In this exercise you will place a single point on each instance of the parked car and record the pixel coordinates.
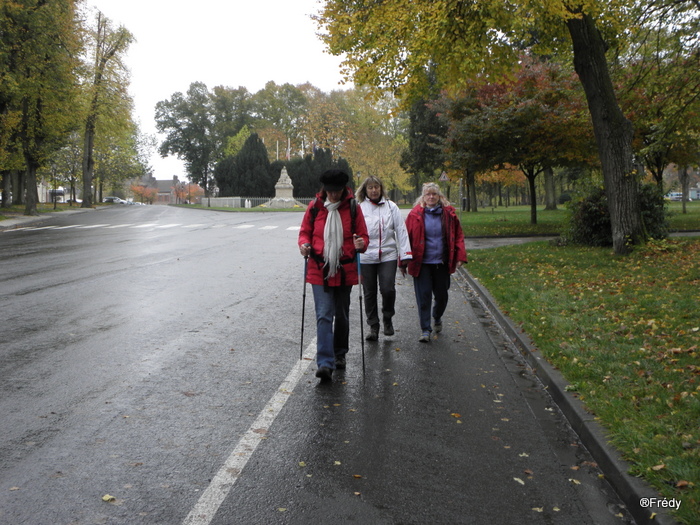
(114, 200)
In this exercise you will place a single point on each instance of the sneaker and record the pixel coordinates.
(388, 328)
(324, 373)
(425, 337)
(340, 363)
(373, 334)
(438, 325)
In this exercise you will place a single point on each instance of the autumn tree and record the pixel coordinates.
(187, 122)
(393, 43)
(40, 43)
(660, 92)
(108, 83)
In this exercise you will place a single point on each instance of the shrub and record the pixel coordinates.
(590, 218)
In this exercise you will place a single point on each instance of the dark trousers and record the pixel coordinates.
(432, 282)
(332, 323)
(385, 274)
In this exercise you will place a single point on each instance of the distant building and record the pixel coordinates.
(166, 191)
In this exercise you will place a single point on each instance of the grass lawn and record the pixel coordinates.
(624, 332)
(514, 221)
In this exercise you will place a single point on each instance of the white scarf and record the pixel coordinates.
(332, 238)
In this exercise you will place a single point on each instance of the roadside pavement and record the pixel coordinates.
(631, 490)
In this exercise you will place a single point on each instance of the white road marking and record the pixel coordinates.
(134, 226)
(211, 499)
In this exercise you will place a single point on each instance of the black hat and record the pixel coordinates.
(334, 180)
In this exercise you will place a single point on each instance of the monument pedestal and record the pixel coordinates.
(284, 191)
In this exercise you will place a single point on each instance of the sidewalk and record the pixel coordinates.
(19, 221)
(630, 489)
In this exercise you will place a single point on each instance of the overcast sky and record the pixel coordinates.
(221, 43)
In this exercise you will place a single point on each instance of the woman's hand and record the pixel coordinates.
(305, 249)
(359, 242)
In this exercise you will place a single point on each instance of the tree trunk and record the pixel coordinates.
(6, 189)
(613, 133)
(88, 159)
(32, 193)
(533, 196)
(684, 179)
(550, 193)
(471, 184)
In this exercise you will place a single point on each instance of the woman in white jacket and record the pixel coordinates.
(388, 244)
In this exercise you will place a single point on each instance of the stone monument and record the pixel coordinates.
(284, 191)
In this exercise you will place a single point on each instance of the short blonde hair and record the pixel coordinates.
(431, 186)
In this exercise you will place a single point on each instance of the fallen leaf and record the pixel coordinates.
(682, 484)
(658, 467)
(108, 498)
(455, 414)
(336, 463)
(14, 488)
(302, 464)
(357, 476)
(538, 509)
(574, 481)
(519, 481)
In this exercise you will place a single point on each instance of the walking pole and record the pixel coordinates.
(362, 325)
(303, 308)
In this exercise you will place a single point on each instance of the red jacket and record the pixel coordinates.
(311, 232)
(453, 236)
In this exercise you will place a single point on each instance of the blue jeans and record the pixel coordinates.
(332, 306)
(433, 281)
(385, 274)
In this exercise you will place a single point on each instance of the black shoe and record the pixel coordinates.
(340, 363)
(373, 334)
(324, 373)
(388, 328)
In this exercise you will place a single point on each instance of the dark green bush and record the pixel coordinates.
(590, 218)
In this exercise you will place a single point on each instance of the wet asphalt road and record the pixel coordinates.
(142, 344)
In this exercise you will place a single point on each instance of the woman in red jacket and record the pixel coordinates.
(437, 246)
(332, 232)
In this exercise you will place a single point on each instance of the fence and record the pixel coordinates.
(242, 202)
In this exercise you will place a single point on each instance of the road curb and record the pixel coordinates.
(629, 488)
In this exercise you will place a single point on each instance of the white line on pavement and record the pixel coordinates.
(212, 498)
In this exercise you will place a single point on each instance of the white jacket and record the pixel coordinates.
(388, 239)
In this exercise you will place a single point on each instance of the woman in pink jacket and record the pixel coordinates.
(332, 232)
(437, 245)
